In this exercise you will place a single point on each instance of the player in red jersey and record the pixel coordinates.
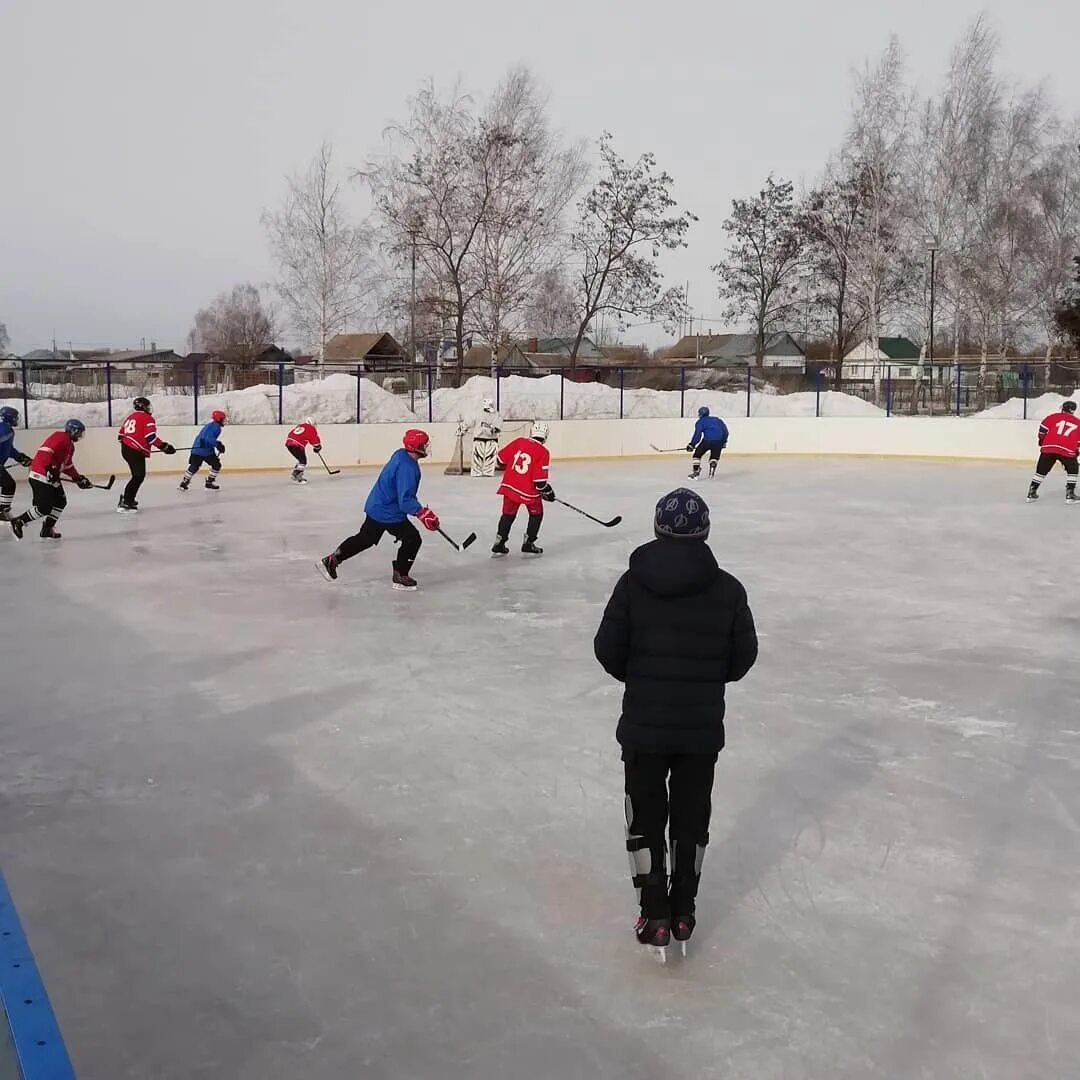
(297, 441)
(524, 465)
(138, 436)
(54, 459)
(1059, 440)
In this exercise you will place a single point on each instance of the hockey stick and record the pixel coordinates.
(332, 472)
(464, 543)
(100, 487)
(607, 524)
(668, 449)
(176, 450)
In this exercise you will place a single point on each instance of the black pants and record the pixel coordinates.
(1046, 463)
(196, 461)
(652, 813)
(48, 501)
(297, 452)
(711, 448)
(7, 487)
(136, 462)
(371, 532)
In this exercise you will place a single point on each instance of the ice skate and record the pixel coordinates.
(124, 507)
(5, 513)
(682, 927)
(17, 527)
(211, 484)
(499, 547)
(1071, 497)
(712, 469)
(1033, 493)
(299, 477)
(403, 582)
(184, 484)
(694, 473)
(656, 934)
(328, 567)
(48, 531)
(530, 548)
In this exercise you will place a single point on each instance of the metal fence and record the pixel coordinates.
(100, 393)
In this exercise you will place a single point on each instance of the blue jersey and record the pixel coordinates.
(393, 498)
(709, 429)
(205, 442)
(7, 442)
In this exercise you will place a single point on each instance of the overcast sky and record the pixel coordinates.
(140, 140)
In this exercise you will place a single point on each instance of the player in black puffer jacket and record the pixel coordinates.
(676, 630)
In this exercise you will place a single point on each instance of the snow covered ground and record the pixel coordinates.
(263, 827)
(1037, 407)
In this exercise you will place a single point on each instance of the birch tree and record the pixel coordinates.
(323, 261)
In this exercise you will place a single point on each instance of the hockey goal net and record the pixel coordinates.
(461, 462)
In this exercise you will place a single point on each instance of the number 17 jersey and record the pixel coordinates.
(1059, 433)
(526, 462)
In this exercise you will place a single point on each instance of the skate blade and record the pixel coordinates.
(322, 570)
(659, 953)
(499, 554)
(403, 588)
(683, 945)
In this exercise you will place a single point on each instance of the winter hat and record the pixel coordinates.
(682, 515)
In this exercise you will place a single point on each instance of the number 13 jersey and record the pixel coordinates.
(526, 462)
(1059, 433)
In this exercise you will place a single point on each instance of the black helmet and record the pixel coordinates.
(1068, 406)
(142, 404)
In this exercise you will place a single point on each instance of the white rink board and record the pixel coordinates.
(262, 447)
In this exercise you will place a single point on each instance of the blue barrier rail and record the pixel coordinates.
(33, 1033)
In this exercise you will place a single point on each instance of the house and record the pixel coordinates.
(512, 358)
(782, 351)
(895, 357)
(372, 352)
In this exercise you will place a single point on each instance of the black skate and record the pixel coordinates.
(530, 548)
(404, 582)
(499, 547)
(693, 474)
(211, 484)
(48, 531)
(712, 471)
(125, 507)
(299, 477)
(184, 484)
(5, 513)
(1071, 497)
(682, 926)
(328, 567)
(654, 933)
(1033, 493)
(17, 527)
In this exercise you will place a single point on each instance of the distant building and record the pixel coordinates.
(374, 351)
(895, 357)
(782, 351)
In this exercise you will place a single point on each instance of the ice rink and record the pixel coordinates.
(262, 827)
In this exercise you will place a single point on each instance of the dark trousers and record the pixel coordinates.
(136, 462)
(49, 501)
(7, 486)
(371, 532)
(711, 448)
(510, 508)
(1046, 463)
(196, 461)
(658, 807)
(297, 452)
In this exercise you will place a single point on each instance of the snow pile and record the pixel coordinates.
(1037, 408)
(332, 400)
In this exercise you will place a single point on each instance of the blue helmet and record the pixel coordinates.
(75, 428)
(9, 415)
(703, 411)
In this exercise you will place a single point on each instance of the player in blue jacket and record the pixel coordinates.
(207, 448)
(710, 436)
(390, 504)
(9, 421)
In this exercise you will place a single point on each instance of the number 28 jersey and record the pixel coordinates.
(1059, 433)
(526, 462)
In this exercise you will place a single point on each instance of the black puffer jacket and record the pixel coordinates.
(676, 629)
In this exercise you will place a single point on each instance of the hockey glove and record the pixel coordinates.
(168, 448)
(689, 448)
(24, 460)
(52, 474)
(219, 447)
(500, 466)
(428, 518)
(317, 448)
(547, 494)
(83, 483)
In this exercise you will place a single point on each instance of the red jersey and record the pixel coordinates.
(139, 431)
(1059, 433)
(55, 457)
(303, 435)
(526, 462)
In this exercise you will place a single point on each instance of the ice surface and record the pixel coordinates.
(261, 827)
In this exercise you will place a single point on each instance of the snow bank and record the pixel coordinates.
(1037, 408)
(332, 400)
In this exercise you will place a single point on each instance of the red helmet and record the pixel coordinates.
(218, 415)
(416, 441)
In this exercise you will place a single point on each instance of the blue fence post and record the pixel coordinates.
(888, 390)
(1025, 378)
(622, 390)
(281, 393)
(682, 393)
(958, 387)
(748, 390)
(359, 383)
(25, 396)
(195, 390)
(562, 391)
(108, 394)
(817, 389)
(430, 403)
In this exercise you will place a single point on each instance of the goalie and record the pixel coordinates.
(486, 440)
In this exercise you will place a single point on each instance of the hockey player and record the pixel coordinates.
(676, 630)
(710, 437)
(1059, 440)
(54, 459)
(486, 440)
(389, 505)
(297, 441)
(207, 449)
(138, 436)
(9, 420)
(524, 463)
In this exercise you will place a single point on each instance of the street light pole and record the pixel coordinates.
(932, 245)
(412, 331)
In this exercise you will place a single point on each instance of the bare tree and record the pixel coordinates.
(624, 224)
(235, 327)
(4, 339)
(1067, 316)
(760, 273)
(551, 309)
(322, 260)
